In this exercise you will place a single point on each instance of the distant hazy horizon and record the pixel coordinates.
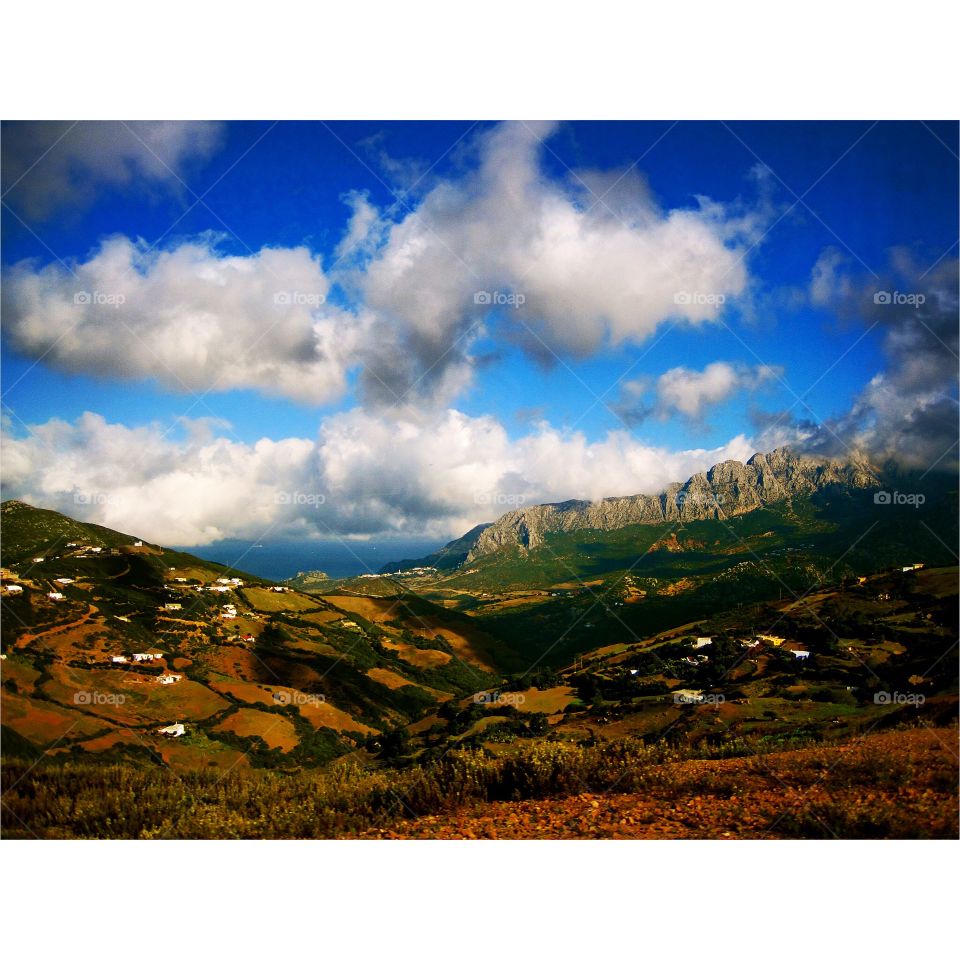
(281, 559)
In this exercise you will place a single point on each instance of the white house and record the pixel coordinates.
(702, 642)
(179, 579)
(173, 606)
(54, 595)
(220, 589)
(749, 644)
(138, 543)
(223, 580)
(119, 659)
(37, 560)
(169, 678)
(174, 730)
(64, 580)
(71, 544)
(249, 638)
(147, 656)
(95, 549)
(801, 654)
(14, 588)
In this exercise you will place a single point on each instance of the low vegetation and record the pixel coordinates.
(900, 783)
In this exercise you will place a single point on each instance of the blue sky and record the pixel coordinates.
(790, 198)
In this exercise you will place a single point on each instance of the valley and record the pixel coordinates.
(809, 622)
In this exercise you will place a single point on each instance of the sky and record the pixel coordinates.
(401, 329)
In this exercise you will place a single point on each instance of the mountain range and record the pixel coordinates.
(726, 490)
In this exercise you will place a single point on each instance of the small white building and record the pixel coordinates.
(64, 580)
(173, 606)
(138, 543)
(119, 659)
(174, 730)
(95, 549)
(55, 595)
(167, 678)
(801, 654)
(749, 644)
(179, 579)
(699, 642)
(14, 588)
(139, 657)
(37, 560)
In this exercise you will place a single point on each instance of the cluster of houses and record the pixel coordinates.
(229, 612)
(148, 657)
(136, 658)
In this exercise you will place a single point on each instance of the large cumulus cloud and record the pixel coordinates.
(582, 262)
(192, 317)
(437, 474)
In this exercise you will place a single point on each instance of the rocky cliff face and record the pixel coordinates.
(725, 490)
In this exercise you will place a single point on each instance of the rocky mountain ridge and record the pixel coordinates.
(727, 489)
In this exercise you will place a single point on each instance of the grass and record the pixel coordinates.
(893, 784)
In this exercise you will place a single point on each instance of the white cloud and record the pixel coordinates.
(192, 317)
(593, 259)
(436, 474)
(48, 165)
(690, 393)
